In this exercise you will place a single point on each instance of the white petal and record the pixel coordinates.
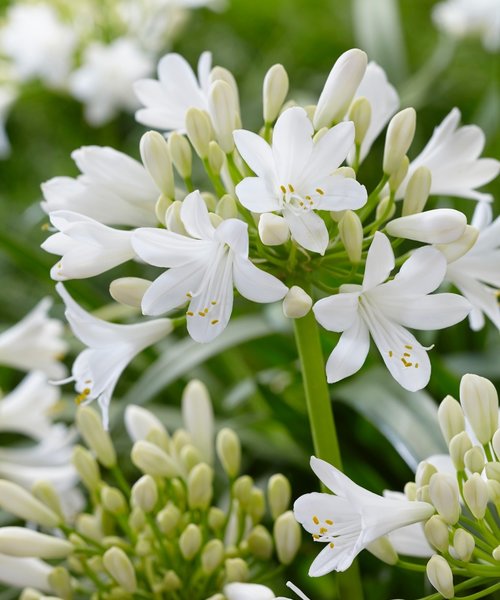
(337, 313)
(350, 353)
(255, 284)
(233, 233)
(379, 262)
(25, 572)
(338, 482)
(340, 193)
(422, 273)
(313, 511)
(411, 541)
(254, 193)
(338, 558)
(438, 226)
(308, 229)
(257, 153)
(247, 591)
(204, 68)
(292, 144)
(163, 248)
(482, 297)
(194, 215)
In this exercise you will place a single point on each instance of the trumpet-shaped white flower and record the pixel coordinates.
(203, 269)
(35, 343)
(86, 247)
(110, 348)
(384, 310)
(7, 96)
(477, 273)
(296, 175)
(176, 91)
(104, 82)
(351, 519)
(452, 156)
(113, 189)
(25, 572)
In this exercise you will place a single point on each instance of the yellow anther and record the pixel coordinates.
(283, 189)
(409, 347)
(416, 365)
(189, 295)
(315, 536)
(390, 353)
(301, 203)
(190, 313)
(407, 354)
(202, 314)
(320, 191)
(214, 322)
(332, 545)
(315, 520)
(291, 188)
(81, 397)
(213, 303)
(308, 197)
(329, 522)
(323, 530)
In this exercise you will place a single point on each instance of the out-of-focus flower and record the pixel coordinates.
(25, 572)
(8, 95)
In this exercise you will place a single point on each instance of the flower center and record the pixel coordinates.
(324, 534)
(298, 203)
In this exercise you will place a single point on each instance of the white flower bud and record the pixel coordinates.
(340, 87)
(496, 553)
(129, 290)
(140, 422)
(87, 467)
(60, 581)
(287, 537)
(19, 502)
(476, 495)
(168, 518)
(494, 491)
(297, 303)
(417, 191)
(171, 581)
(118, 565)
(31, 594)
(198, 417)
(385, 209)
(48, 495)
(397, 178)
(145, 493)
(493, 470)
(223, 74)
(199, 130)
(216, 157)
(156, 158)
(463, 544)
(227, 207)
(360, 114)
(215, 220)
(180, 152)
(161, 208)
(439, 574)
(423, 494)
(496, 443)
(212, 556)
(113, 500)
(425, 471)
(242, 490)
(459, 247)
(200, 487)
(190, 457)
(18, 541)
(89, 425)
(459, 445)
(223, 108)
(443, 490)
(351, 234)
(279, 493)
(398, 139)
(260, 543)
(90, 526)
(410, 490)
(216, 518)
(236, 569)
(153, 461)
(173, 221)
(274, 92)
(383, 550)
(190, 541)
(474, 460)
(451, 418)
(479, 400)
(439, 226)
(256, 505)
(229, 451)
(436, 532)
(273, 229)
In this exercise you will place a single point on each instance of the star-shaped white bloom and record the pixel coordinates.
(86, 247)
(202, 269)
(111, 347)
(176, 91)
(477, 273)
(35, 343)
(383, 309)
(113, 189)
(351, 519)
(452, 156)
(296, 175)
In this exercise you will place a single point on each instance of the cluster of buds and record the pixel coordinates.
(166, 536)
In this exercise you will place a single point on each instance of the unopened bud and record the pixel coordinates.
(474, 460)
(346, 172)
(216, 519)
(459, 247)
(494, 491)
(173, 221)
(47, 494)
(190, 541)
(87, 467)
(398, 139)
(423, 494)
(168, 518)
(229, 451)
(242, 489)
(153, 461)
(451, 418)
(190, 457)
(156, 158)
(476, 495)
(273, 229)
(97, 439)
(458, 446)
(216, 157)
(463, 544)
(397, 178)
(417, 191)
(89, 526)
(139, 422)
(279, 493)
(493, 470)
(260, 543)
(496, 553)
(383, 550)
(236, 569)
(360, 114)
(287, 537)
(436, 532)
(22, 542)
(32, 594)
(226, 207)
(297, 303)
(223, 74)
(145, 493)
(160, 438)
(129, 290)
(171, 581)
(199, 130)
(256, 505)
(113, 500)
(19, 502)
(180, 152)
(479, 400)
(439, 226)
(444, 494)
(274, 92)
(199, 487)
(60, 581)
(351, 234)
(212, 556)
(439, 574)
(118, 565)
(223, 108)
(210, 200)
(410, 490)
(161, 207)
(425, 471)
(385, 209)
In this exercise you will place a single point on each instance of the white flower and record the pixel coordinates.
(35, 343)
(255, 591)
(350, 520)
(384, 310)
(86, 247)
(110, 348)
(104, 82)
(113, 189)
(25, 572)
(296, 176)
(203, 269)
(460, 18)
(177, 90)
(38, 42)
(7, 96)
(452, 156)
(477, 273)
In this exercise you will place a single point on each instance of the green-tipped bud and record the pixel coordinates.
(60, 581)
(360, 114)
(216, 157)
(223, 108)
(190, 541)
(297, 303)
(451, 418)
(153, 461)
(113, 500)
(226, 207)
(160, 438)
(162, 205)
(347, 172)
(417, 191)
(118, 565)
(383, 550)
(424, 473)
(351, 234)
(397, 178)
(274, 92)
(256, 505)
(439, 574)
(494, 491)
(279, 493)
(171, 581)
(463, 544)
(199, 130)
(215, 220)
(436, 532)
(216, 519)
(496, 553)
(229, 451)
(260, 543)
(476, 495)
(129, 290)
(423, 494)
(287, 537)
(47, 494)
(22, 542)
(398, 139)
(212, 556)
(89, 526)
(479, 400)
(444, 495)
(458, 248)
(223, 74)
(180, 439)
(385, 209)
(242, 489)
(180, 152)
(493, 471)
(20, 503)
(89, 425)
(31, 594)
(273, 229)
(474, 460)
(496, 443)
(137, 519)
(156, 159)
(168, 518)
(190, 457)
(211, 202)
(459, 445)
(410, 490)
(236, 569)
(199, 487)
(173, 221)
(145, 493)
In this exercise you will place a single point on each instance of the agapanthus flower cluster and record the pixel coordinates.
(280, 215)
(447, 516)
(170, 534)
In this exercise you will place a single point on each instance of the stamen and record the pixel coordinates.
(189, 295)
(83, 396)
(315, 536)
(320, 191)
(202, 314)
(323, 530)
(291, 188)
(390, 353)
(283, 189)
(416, 365)
(409, 347)
(214, 322)
(315, 520)
(407, 354)
(332, 545)
(190, 313)
(213, 303)
(329, 522)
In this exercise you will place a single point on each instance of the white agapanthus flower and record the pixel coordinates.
(176, 91)
(113, 188)
(8, 95)
(255, 591)
(384, 309)
(351, 519)
(295, 176)
(35, 343)
(104, 81)
(461, 18)
(476, 274)
(25, 572)
(202, 270)
(38, 43)
(86, 247)
(110, 348)
(452, 156)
